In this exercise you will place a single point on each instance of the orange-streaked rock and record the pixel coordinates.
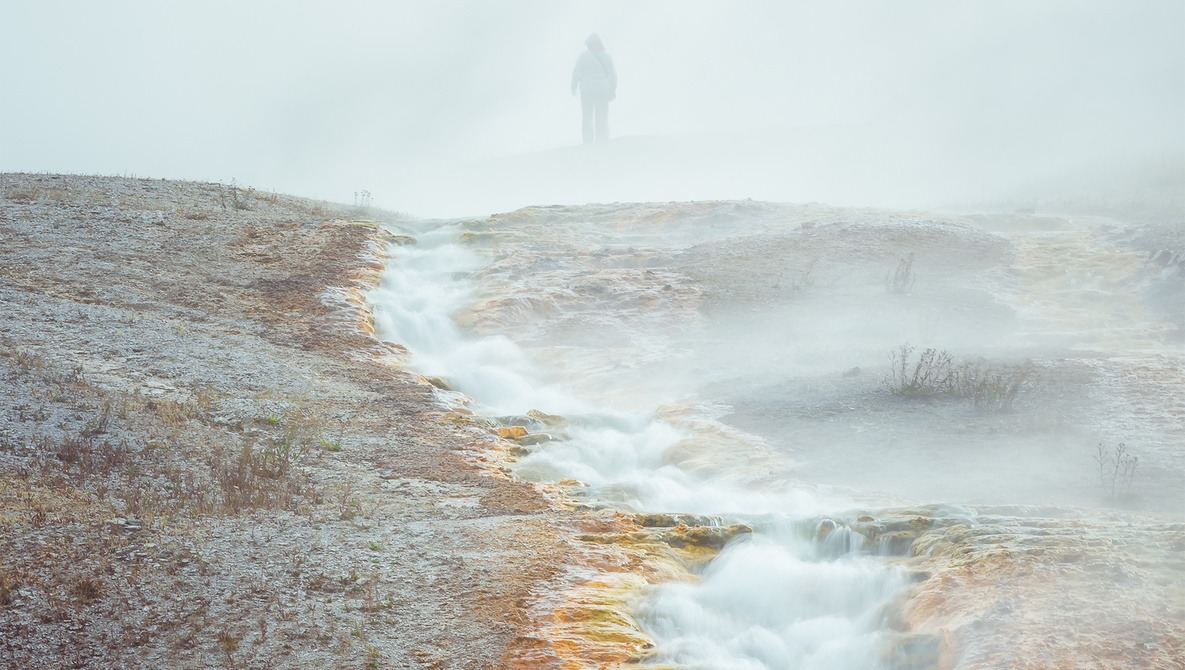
(512, 432)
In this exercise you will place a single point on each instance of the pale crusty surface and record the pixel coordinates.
(207, 460)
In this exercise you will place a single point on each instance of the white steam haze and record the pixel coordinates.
(738, 360)
(459, 108)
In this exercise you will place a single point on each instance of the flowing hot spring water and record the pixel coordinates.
(733, 360)
(777, 599)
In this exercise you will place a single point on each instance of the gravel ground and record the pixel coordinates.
(208, 461)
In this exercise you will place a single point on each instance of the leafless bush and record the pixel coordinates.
(75, 449)
(202, 399)
(90, 456)
(930, 373)
(361, 201)
(38, 515)
(935, 372)
(99, 424)
(903, 278)
(172, 414)
(992, 387)
(801, 280)
(1117, 469)
(238, 197)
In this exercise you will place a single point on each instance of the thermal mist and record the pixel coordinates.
(735, 361)
(462, 108)
(929, 415)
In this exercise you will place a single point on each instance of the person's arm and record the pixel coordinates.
(576, 75)
(611, 71)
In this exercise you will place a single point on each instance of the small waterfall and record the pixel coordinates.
(777, 600)
(786, 596)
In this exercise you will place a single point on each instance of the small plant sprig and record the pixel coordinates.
(228, 642)
(1117, 469)
(347, 506)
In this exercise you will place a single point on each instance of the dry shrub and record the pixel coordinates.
(992, 387)
(903, 278)
(8, 585)
(202, 400)
(172, 414)
(86, 590)
(29, 195)
(91, 457)
(931, 373)
(38, 515)
(28, 361)
(101, 423)
(257, 478)
(76, 449)
(348, 507)
(22, 195)
(1117, 469)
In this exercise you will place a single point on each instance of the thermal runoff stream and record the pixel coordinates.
(754, 369)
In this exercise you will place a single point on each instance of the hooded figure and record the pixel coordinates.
(596, 78)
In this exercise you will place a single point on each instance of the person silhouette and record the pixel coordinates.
(596, 78)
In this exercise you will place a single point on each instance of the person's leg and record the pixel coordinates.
(586, 128)
(602, 113)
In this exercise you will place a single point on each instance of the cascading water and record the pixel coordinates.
(778, 598)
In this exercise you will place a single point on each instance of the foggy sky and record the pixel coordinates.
(853, 100)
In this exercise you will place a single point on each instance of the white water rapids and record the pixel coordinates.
(775, 599)
(729, 360)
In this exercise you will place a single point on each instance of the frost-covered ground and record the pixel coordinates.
(207, 461)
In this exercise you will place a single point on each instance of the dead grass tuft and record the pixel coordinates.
(86, 590)
(27, 361)
(257, 477)
(8, 586)
(228, 644)
(29, 195)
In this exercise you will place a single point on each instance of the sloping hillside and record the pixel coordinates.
(208, 461)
